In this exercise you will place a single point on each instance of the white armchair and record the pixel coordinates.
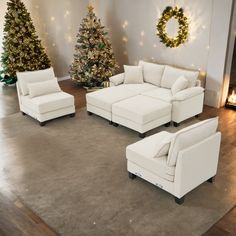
(40, 96)
(179, 162)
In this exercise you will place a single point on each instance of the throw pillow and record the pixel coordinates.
(43, 88)
(133, 75)
(152, 73)
(180, 84)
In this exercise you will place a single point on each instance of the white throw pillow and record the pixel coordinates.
(33, 76)
(180, 84)
(171, 74)
(133, 75)
(152, 73)
(43, 88)
(189, 136)
(163, 146)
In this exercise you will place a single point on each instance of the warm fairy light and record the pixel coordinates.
(125, 24)
(154, 45)
(67, 13)
(52, 18)
(207, 47)
(141, 43)
(142, 33)
(124, 39)
(232, 98)
(203, 27)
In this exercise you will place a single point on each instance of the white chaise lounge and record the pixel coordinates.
(177, 162)
(162, 96)
(40, 96)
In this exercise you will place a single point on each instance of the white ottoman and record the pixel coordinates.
(141, 113)
(100, 102)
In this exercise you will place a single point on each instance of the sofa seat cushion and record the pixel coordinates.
(141, 153)
(104, 98)
(48, 102)
(141, 109)
(139, 88)
(159, 93)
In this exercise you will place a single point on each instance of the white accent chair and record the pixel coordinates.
(177, 162)
(46, 105)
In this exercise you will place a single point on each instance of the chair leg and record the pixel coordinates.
(176, 124)
(131, 175)
(23, 113)
(42, 123)
(211, 180)
(89, 113)
(142, 135)
(115, 124)
(72, 115)
(179, 200)
(167, 124)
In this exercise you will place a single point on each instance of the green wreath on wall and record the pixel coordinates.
(183, 30)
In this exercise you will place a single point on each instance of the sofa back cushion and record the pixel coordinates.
(171, 74)
(33, 76)
(152, 73)
(190, 136)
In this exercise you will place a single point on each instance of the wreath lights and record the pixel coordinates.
(183, 31)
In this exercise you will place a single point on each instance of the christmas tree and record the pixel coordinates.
(22, 49)
(94, 60)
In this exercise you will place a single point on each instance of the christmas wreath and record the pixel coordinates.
(182, 35)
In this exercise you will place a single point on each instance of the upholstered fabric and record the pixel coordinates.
(133, 74)
(48, 103)
(180, 84)
(117, 79)
(187, 93)
(45, 87)
(159, 93)
(33, 76)
(190, 136)
(171, 74)
(152, 73)
(104, 98)
(141, 109)
(141, 153)
(139, 88)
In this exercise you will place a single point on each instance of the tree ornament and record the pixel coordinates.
(183, 31)
(94, 61)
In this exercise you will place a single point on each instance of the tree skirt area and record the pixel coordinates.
(73, 174)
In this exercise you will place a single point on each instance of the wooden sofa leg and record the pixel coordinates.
(89, 113)
(42, 123)
(110, 122)
(23, 113)
(176, 124)
(131, 175)
(142, 135)
(211, 180)
(115, 124)
(197, 116)
(167, 124)
(179, 200)
(72, 115)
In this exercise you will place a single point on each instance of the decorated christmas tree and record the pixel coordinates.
(94, 60)
(22, 49)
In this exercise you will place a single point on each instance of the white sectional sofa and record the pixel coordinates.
(160, 95)
(177, 162)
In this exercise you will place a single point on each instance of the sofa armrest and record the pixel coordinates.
(117, 79)
(187, 93)
(198, 83)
